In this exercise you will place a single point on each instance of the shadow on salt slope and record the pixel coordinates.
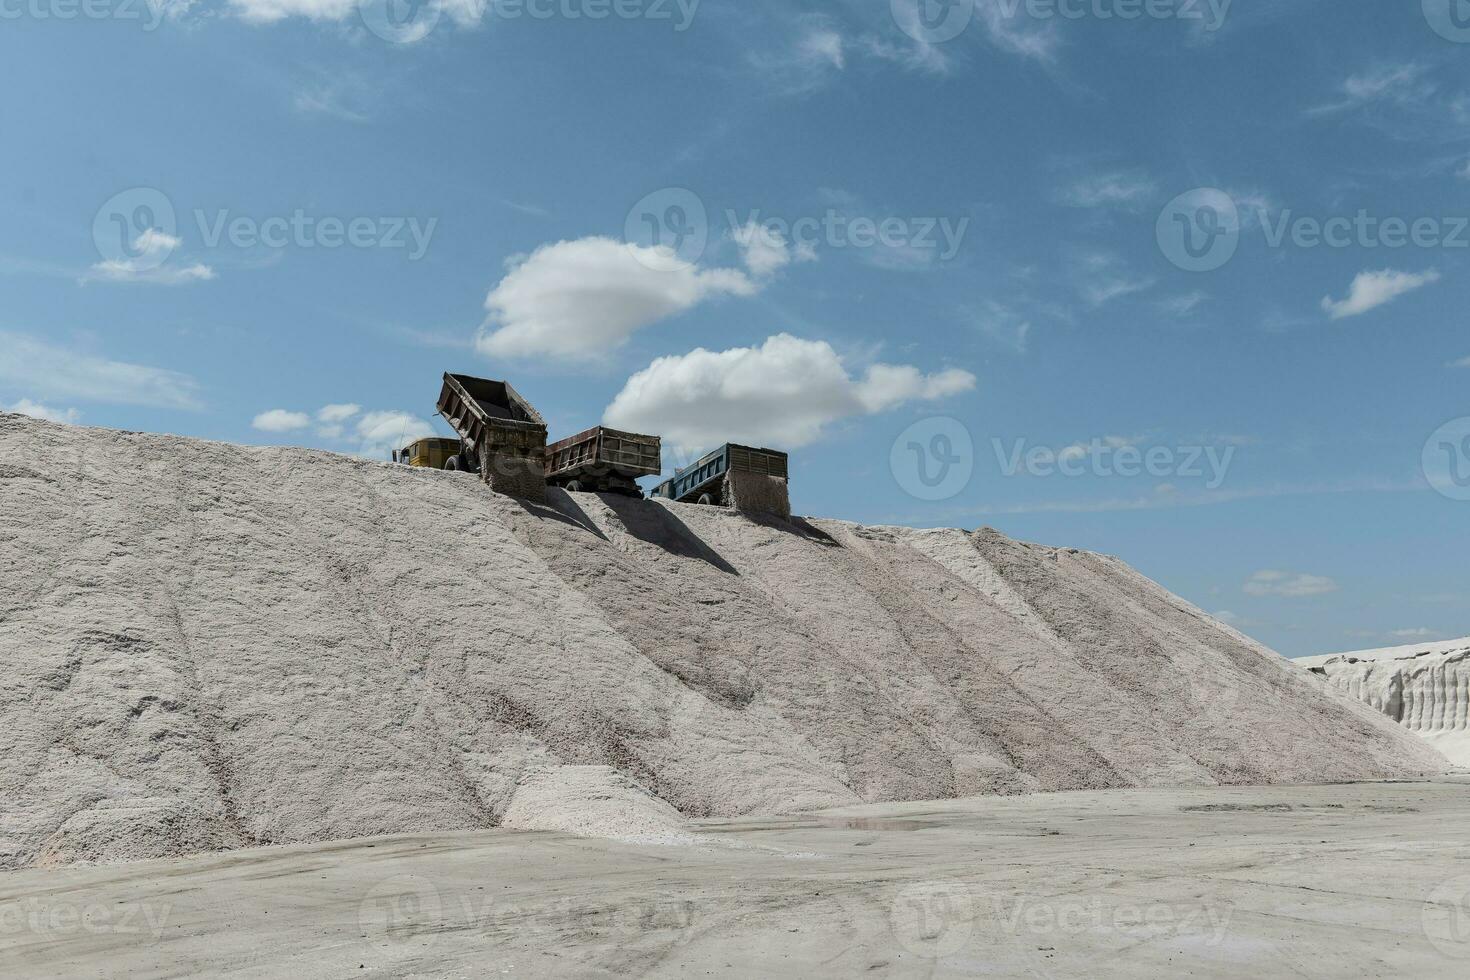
(560, 506)
(798, 526)
(658, 525)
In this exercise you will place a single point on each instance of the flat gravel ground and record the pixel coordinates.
(1366, 879)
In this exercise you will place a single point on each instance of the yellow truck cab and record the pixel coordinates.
(432, 453)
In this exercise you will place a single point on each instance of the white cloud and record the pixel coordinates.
(326, 100)
(48, 371)
(825, 46)
(1371, 290)
(1010, 29)
(1183, 305)
(1416, 633)
(1401, 84)
(331, 419)
(1464, 172)
(1004, 325)
(67, 416)
(1290, 585)
(337, 413)
(805, 60)
(1386, 81)
(1120, 189)
(577, 300)
(152, 249)
(381, 432)
(1463, 362)
(280, 420)
(375, 432)
(270, 11)
(783, 393)
(1102, 277)
(765, 251)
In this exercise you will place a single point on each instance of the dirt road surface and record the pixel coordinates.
(1348, 880)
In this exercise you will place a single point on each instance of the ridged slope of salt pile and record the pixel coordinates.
(212, 646)
(1425, 687)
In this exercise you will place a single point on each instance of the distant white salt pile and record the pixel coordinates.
(210, 646)
(1425, 687)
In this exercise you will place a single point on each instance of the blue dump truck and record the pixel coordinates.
(733, 476)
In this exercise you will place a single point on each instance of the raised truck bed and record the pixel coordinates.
(603, 460)
(504, 438)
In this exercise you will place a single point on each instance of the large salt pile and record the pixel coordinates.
(210, 646)
(1425, 687)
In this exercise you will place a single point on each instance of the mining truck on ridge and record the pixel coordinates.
(501, 436)
(603, 460)
(433, 453)
(741, 477)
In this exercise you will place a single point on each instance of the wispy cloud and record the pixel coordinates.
(1182, 305)
(1370, 290)
(1401, 84)
(1463, 362)
(147, 264)
(1288, 585)
(1003, 325)
(809, 58)
(1104, 277)
(49, 371)
(327, 99)
(1127, 190)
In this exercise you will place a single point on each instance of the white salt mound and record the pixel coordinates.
(212, 646)
(1425, 687)
(593, 801)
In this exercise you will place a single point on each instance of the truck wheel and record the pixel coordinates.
(575, 486)
(705, 500)
(454, 463)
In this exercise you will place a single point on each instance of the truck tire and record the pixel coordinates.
(574, 486)
(705, 500)
(454, 463)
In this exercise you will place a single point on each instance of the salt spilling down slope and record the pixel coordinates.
(1425, 687)
(211, 646)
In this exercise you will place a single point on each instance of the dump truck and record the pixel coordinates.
(432, 453)
(742, 477)
(502, 437)
(603, 460)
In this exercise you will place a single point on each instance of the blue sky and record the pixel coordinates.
(949, 273)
